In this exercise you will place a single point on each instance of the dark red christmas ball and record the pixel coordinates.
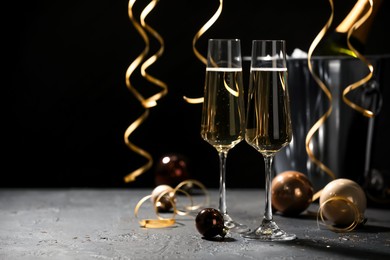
(210, 223)
(171, 170)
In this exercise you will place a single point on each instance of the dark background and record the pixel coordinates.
(66, 101)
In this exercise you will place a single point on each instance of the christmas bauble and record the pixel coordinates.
(210, 223)
(292, 193)
(171, 170)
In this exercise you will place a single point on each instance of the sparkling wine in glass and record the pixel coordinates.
(223, 112)
(268, 123)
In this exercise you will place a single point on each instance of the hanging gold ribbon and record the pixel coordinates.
(362, 81)
(348, 89)
(327, 92)
(202, 30)
(358, 218)
(152, 100)
(365, 79)
(149, 102)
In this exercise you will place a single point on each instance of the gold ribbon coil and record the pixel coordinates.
(358, 218)
(365, 79)
(190, 183)
(160, 222)
(149, 102)
(348, 89)
(201, 31)
(170, 194)
(327, 92)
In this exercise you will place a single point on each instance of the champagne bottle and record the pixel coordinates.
(335, 43)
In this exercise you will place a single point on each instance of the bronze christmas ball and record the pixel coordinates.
(171, 170)
(292, 193)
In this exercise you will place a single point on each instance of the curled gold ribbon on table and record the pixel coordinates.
(160, 222)
(327, 92)
(170, 194)
(190, 183)
(358, 218)
(201, 31)
(365, 79)
(149, 102)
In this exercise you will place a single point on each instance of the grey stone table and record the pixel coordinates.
(100, 224)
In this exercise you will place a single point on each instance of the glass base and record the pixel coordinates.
(269, 231)
(234, 226)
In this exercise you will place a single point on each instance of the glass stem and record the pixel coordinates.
(268, 160)
(222, 176)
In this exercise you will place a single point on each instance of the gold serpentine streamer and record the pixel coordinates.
(348, 89)
(151, 101)
(170, 194)
(201, 31)
(358, 218)
(323, 118)
(359, 83)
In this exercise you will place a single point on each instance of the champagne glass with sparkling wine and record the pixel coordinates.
(223, 112)
(268, 122)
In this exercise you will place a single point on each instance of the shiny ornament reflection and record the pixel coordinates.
(171, 170)
(210, 223)
(292, 193)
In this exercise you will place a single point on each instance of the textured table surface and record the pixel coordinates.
(100, 224)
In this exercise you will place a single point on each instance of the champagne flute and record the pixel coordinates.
(223, 112)
(268, 122)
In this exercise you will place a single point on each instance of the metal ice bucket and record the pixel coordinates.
(344, 141)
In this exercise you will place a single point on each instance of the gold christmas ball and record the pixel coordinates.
(292, 193)
(342, 202)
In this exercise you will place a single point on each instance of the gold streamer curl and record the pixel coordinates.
(358, 218)
(201, 31)
(327, 92)
(348, 89)
(160, 221)
(170, 194)
(191, 183)
(365, 79)
(149, 102)
(152, 100)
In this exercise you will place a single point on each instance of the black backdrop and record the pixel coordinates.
(67, 105)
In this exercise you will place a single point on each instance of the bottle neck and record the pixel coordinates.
(336, 43)
(356, 13)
